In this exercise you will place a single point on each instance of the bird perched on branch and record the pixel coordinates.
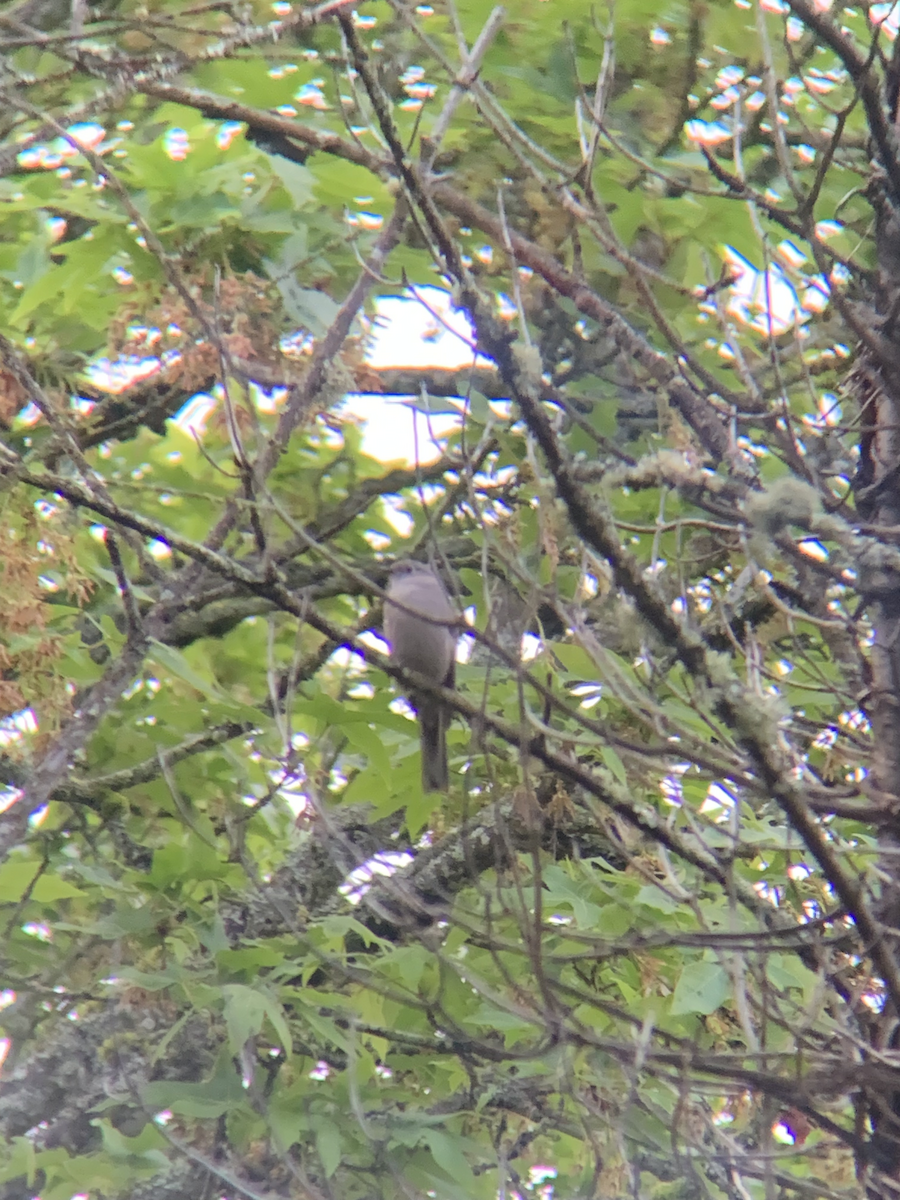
(419, 623)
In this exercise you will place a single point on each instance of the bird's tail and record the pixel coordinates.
(433, 726)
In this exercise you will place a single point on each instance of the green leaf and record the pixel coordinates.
(218, 1095)
(312, 309)
(448, 1155)
(615, 764)
(174, 661)
(702, 988)
(21, 1160)
(655, 897)
(153, 981)
(419, 811)
(328, 1147)
(18, 876)
(245, 1010)
(298, 179)
(149, 1143)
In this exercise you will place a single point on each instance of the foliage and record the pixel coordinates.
(646, 944)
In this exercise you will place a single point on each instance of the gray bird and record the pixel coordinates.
(428, 648)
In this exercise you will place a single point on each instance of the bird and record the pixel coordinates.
(427, 647)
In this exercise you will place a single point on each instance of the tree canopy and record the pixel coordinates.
(647, 944)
